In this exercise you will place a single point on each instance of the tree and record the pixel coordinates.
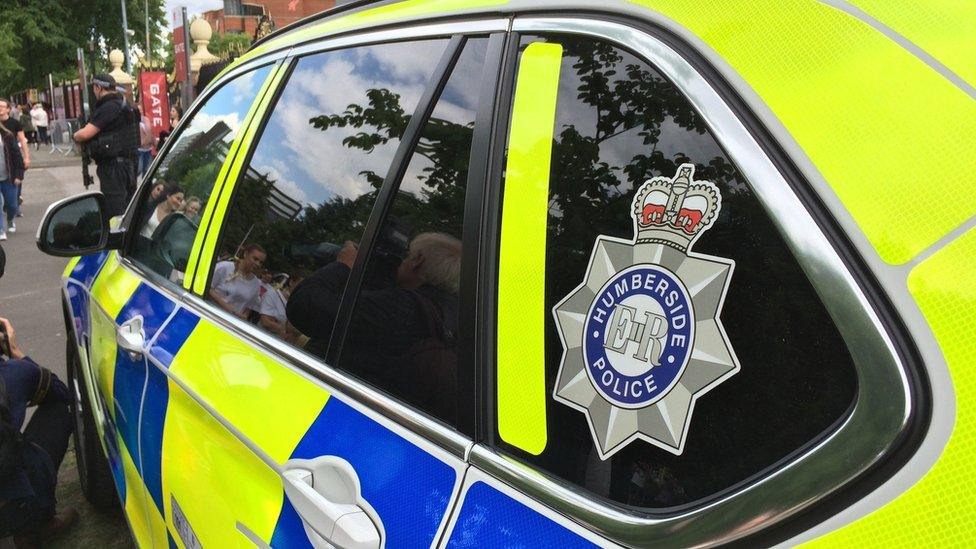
(40, 37)
(229, 45)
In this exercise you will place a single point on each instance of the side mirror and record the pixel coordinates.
(77, 225)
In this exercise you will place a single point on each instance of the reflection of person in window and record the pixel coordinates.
(272, 307)
(171, 201)
(390, 322)
(191, 208)
(235, 286)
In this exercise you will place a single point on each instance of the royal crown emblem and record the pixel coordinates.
(641, 335)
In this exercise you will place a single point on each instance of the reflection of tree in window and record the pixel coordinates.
(618, 123)
(443, 143)
(311, 237)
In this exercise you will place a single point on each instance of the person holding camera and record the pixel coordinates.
(29, 459)
(112, 138)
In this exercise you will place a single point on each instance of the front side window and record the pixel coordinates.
(167, 220)
(303, 201)
(685, 349)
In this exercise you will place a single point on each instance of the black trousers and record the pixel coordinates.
(118, 181)
(47, 434)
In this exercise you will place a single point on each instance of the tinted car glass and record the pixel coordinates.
(311, 184)
(403, 332)
(620, 123)
(183, 180)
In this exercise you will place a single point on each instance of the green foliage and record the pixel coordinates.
(38, 37)
(229, 45)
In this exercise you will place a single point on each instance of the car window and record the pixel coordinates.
(166, 222)
(310, 186)
(685, 349)
(403, 332)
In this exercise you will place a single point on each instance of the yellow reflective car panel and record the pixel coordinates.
(208, 473)
(945, 29)
(393, 12)
(873, 118)
(114, 286)
(252, 391)
(939, 510)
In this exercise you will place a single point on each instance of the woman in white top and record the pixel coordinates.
(235, 287)
(39, 118)
(171, 200)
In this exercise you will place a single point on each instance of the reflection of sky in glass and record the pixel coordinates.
(229, 105)
(457, 105)
(313, 166)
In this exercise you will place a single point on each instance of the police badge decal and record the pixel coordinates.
(641, 335)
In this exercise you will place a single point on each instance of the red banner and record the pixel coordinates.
(155, 102)
(179, 57)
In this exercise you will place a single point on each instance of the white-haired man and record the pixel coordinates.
(401, 337)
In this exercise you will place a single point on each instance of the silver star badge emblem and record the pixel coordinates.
(641, 335)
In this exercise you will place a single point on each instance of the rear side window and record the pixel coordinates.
(685, 350)
(166, 222)
(404, 329)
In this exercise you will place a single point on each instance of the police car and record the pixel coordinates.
(705, 275)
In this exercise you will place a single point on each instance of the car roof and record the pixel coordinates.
(877, 98)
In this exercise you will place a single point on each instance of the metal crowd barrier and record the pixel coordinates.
(60, 133)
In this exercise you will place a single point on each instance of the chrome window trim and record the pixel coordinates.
(883, 407)
(368, 36)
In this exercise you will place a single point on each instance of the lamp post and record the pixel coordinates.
(148, 50)
(125, 38)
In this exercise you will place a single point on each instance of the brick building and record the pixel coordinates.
(243, 15)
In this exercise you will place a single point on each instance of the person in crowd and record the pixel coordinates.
(30, 458)
(192, 207)
(146, 143)
(390, 323)
(272, 307)
(39, 117)
(27, 122)
(235, 286)
(13, 124)
(11, 177)
(112, 143)
(175, 114)
(170, 200)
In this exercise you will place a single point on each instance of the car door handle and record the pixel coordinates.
(131, 337)
(325, 493)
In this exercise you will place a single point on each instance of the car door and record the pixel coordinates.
(120, 300)
(675, 353)
(271, 435)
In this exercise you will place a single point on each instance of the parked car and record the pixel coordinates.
(549, 274)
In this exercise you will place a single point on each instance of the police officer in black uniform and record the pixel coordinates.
(112, 139)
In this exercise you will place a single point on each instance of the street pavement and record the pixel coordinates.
(30, 296)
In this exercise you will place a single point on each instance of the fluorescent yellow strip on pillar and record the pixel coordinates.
(240, 143)
(245, 138)
(522, 263)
